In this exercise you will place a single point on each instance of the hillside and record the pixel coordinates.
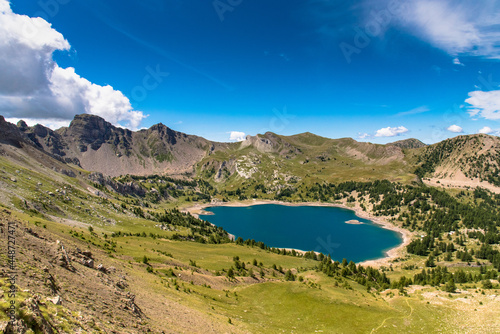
(278, 162)
(408, 143)
(472, 160)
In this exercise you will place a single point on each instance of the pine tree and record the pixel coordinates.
(289, 276)
(430, 262)
(230, 273)
(450, 286)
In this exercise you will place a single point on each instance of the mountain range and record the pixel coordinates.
(93, 144)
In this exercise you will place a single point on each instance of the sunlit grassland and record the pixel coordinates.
(207, 256)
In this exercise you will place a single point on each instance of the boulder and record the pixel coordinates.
(56, 300)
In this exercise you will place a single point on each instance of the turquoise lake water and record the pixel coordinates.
(321, 229)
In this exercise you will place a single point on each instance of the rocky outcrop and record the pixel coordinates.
(83, 257)
(62, 259)
(44, 138)
(91, 132)
(130, 305)
(10, 134)
(270, 143)
(48, 141)
(225, 170)
(262, 144)
(129, 188)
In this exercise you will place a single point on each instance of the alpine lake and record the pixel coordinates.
(328, 230)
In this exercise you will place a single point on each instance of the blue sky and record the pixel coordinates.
(375, 71)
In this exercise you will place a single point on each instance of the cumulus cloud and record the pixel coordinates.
(237, 136)
(455, 128)
(391, 132)
(34, 87)
(484, 104)
(363, 135)
(486, 130)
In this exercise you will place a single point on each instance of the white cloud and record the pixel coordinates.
(391, 132)
(414, 111)
(363, 135)
(455, 128)
(459, 27)
(34, 87)
(456, 61)
(486, 130)
(484, 104)
(48, 122)
(4, 7)
(237, 136)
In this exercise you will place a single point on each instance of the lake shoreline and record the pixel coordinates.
(391, 254)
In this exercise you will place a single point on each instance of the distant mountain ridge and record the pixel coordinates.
(97, 145)
(272, 160)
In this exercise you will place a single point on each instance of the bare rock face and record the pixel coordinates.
(226, 169)
(121, 284)
(10, 134)
(164, 133)
(262, 144)
(90, 131)
(270, 143)
(46, 140)
(102, 147)
(15, 327)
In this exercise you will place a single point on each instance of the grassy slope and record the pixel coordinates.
(273, 306)
(253, 305)
(344, 159)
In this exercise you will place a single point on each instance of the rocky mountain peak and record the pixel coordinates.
(90, 127)
(408, 143)
(22, 125)
(94, 131)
